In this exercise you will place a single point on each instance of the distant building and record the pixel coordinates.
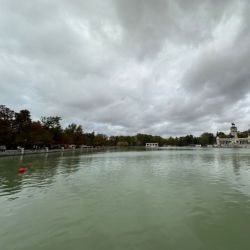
(234, 140)
(152, 145)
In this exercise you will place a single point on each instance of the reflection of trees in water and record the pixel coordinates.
(236, 158)
(69, 163)
(41, 170)
(10, 180)
(207, 157)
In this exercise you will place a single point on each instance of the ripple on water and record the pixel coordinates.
(144, 200)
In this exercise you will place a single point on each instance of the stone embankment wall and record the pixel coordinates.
(46, 151)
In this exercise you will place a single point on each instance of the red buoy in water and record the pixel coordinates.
(21, 170)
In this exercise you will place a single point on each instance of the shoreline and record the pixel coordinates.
(44, 151)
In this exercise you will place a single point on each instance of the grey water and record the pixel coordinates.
(163, 199)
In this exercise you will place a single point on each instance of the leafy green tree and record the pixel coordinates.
(73, 134)
(243, 134)
(7, 117)
(79, 139)
(88, 139)
(23, 128)
(53, 125)
(207, 139)
(51, 122)
(70, 129)
(222, 135)
(39, 135)
(122, 144)
(100, 140)
(112, 140)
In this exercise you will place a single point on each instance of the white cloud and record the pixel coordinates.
(119, 67)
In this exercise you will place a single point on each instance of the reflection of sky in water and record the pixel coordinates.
(41, 171)
(208, 165)
(201, 194)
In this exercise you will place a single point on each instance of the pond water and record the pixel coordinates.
(163, 199)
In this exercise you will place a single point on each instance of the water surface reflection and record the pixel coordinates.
(41, 170)
(173, 199)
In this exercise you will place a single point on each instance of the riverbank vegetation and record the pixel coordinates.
(18, 129)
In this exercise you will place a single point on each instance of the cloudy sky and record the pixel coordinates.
(127, 66)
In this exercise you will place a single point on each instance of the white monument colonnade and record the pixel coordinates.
(234, 141)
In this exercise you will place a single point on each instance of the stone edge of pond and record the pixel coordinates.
(31, 152)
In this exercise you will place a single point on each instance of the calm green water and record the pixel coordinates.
(175, 199)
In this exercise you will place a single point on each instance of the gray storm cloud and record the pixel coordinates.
(124, 67)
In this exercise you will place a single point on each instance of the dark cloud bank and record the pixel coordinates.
(123, 67)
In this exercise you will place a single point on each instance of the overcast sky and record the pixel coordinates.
(128, 66)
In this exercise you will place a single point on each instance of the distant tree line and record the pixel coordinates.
(18, 129)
